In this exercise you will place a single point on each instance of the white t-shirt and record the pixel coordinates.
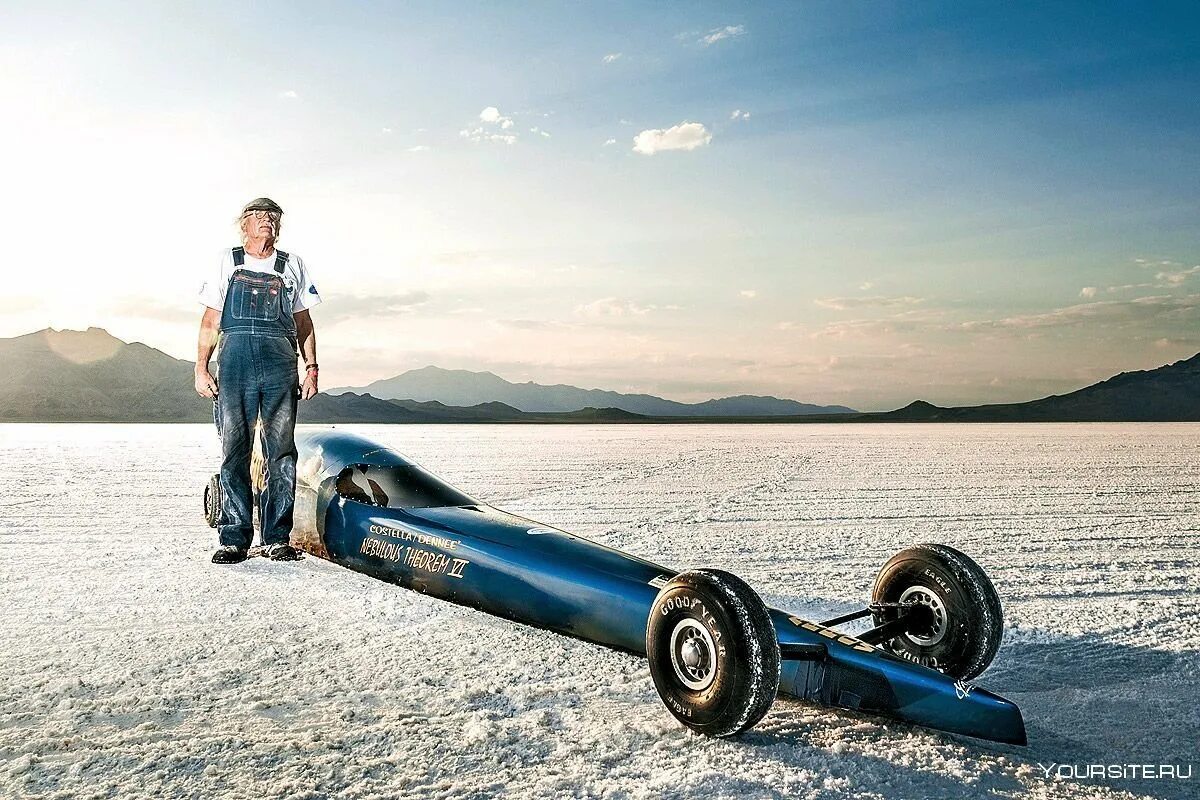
(295, 277)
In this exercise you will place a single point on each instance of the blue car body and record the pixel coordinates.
(369, 508)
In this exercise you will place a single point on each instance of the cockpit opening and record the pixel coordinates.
(397, 487)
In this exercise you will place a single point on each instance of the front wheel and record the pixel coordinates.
(956, 619)
(713, 652)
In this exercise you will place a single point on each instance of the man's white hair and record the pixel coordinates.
(239, 222)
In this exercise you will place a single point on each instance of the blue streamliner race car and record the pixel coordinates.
(718, 655)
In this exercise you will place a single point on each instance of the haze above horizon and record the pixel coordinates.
(840, 205)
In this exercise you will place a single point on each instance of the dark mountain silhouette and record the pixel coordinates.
(460, 387)
(1168, 394)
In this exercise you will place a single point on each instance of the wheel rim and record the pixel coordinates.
(936, 630)
(692, 652)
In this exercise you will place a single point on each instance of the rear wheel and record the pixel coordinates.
(713, 652)
(957, 621)
(212, 501)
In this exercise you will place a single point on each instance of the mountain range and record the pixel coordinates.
(460, 387)
(91, 376)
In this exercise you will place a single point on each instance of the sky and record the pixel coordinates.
(852, 203)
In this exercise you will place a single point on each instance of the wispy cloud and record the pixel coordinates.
(717, 34)
(357, 307)
(608, 142)
(1110, 312)
(288, 94)
(739, 114)
(1096, 318)
(419, 148)
(749, 294)
(684, 136)
(879, 301)
(533, 324)
(1088, 292)
(611, 57)
(613, 307)
(1176, 277)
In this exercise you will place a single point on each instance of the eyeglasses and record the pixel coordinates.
(260, 214)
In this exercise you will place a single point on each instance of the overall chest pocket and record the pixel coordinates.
(255, 297)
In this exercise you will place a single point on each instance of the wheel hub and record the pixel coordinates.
(692, 651)
(933, 628)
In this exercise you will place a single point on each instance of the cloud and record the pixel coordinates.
(612, 307)
(1096, 318)
(749, 294)
(386, 130)
(607, 142)
(482, 135)
(419, 148)
(539, 131)
(739, 114)
(1176, 277)
(684, 136)
(1088, 292)
(493, 121)
(533, 324)
(144, 307)
(610, 58)
(843, 303)
(1112, 312)
(289, 94)
(717, 34)
(338, 308)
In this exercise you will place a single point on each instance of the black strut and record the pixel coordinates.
(829, 623)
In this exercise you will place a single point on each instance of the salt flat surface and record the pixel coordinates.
(130, 666)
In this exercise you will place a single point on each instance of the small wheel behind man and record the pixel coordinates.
(212, 501)
(713, 652)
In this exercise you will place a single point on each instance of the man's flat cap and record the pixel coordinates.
(262, 204)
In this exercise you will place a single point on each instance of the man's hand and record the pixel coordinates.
(206, 384)
(309, 387)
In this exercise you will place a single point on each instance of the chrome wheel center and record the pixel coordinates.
(692, 652)
(935, 631)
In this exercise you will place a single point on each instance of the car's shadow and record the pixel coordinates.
(1086, 701)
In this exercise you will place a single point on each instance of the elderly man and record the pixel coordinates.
(258, 303)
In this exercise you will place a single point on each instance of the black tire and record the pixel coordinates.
(962, 630)
(212, 501)
(713, 652)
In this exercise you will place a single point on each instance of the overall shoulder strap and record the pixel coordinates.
(239, 256)
(281, 259)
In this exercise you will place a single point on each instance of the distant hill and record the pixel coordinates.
(92, 376)
(1167, 394)
(460, 387)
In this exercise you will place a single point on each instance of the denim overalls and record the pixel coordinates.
(257, 376)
